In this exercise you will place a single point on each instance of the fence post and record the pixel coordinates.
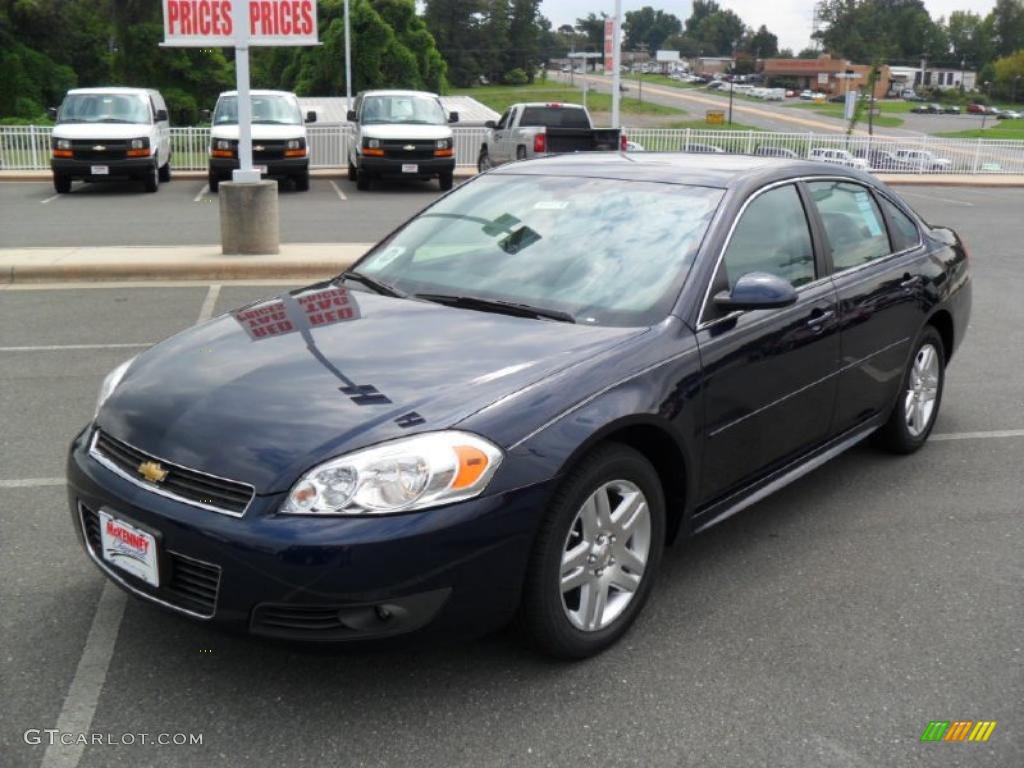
(34, 162)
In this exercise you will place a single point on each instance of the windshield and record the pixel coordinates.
(421, 110)
(605, 251)
(104, 108)
(269, 110)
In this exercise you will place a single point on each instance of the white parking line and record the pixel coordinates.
(51, 197)
(63, 347)
(206, 311)
(80, 705)
(995, 433)
(337, 189)
(33, 482)
(199, 195)
(936, 197)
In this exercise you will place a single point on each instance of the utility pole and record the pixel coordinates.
(348, 61)
(732, 81)
(616, 58)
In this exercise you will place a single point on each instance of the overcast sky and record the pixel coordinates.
(789, 19)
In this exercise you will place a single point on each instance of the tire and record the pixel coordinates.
(559, 624)
(165, 172)
(483, 162)
(520, 153)
(446, 180)
(213, 181)
(151, 183)
(302, 182)
(352, 172)
(61, 183)
(914, 414)
(362, 181)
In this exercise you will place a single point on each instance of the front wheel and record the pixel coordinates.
(917, 405)
(446, 181)
(165, 172)
(352, 172)
(302, 182)
(362, 180)
(61, 183)
(152, 181)
(596, 555)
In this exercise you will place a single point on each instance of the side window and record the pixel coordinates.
(904, 232)
(853, 223)
(504, 120)
(772, 236)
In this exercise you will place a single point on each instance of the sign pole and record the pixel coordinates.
(348, 61)
(240, 18)
(616, 57)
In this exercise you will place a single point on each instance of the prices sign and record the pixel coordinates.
(609, 46)
(210, 23)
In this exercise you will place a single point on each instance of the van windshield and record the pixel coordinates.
(274, 109)
(105, 108)
(419, 110)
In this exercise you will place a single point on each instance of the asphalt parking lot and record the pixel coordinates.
(185, 212)
(825, 626)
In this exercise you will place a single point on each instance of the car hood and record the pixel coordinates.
(405, 131)
(101, 130)
(267, 391)
(260, 131)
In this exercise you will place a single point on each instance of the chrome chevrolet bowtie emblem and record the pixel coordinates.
(409, 147)
(99, 147)
(258, 148)
(152, 471)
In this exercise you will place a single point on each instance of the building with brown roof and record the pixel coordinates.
(826, 74)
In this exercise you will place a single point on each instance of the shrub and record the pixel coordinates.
(516, 77)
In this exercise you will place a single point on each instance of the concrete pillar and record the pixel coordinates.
(249, 218)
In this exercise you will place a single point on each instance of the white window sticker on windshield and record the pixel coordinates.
(864, 203)
(551, 205)
(388, 255)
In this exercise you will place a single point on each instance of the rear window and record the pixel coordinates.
(554, 117)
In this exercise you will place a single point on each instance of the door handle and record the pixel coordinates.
(818, 319)
(909, 283)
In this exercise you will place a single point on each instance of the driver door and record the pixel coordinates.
(769, 374)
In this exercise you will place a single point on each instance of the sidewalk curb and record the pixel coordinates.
(316, 173)
(210, 271)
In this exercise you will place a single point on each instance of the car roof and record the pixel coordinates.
(398, 92)
(260, 92)
(723, 171)
(113, 90)
(560, 104)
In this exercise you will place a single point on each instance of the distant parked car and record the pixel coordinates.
(980, 109)
(776, 152)
(838, 157)
(951, 109)
(923, 160)
(806, 95)
(927, 109)
(881, 160)
(790, 93)
(708, 149)
(1008, 114)
(838, 98)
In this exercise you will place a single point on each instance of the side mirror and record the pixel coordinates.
(311, 117)
(205, 114)
(52, 112)
(351, 116)
(453, 117)
(161, 115)
(757, 290)
(490, 124)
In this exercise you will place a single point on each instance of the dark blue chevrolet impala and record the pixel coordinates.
(510, 406)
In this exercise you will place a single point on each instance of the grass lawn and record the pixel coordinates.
(1000, 129)
(836, 110)
(499, 97)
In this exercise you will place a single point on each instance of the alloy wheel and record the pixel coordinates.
(922, 390)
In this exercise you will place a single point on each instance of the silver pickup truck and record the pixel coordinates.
(536, 129)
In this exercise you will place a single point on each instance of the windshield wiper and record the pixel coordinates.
(496, 305)
(385, 289)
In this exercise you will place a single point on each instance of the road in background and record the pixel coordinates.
(823, 627)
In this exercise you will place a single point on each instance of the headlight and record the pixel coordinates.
(444, 143)
(294, 144)
(399, 476)
(62, 143)
(140, 143)
(371, 143)
(222, 144)
(110, 384)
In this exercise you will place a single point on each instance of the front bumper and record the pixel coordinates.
(120, 168)
(392, 166)
(278, 167)
(458, 568)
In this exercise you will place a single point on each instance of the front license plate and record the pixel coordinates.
(100, 170)
(410, 168)
(128, 548)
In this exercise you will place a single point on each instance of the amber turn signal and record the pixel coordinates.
(63, 153)
(443, 152)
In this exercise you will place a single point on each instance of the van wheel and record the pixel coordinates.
(362, 180)
(152, 181)
(352, 172)
(596, 554)
(165, 171)
(61, 183)
(302, 182)
(446, 181)
(213, 181)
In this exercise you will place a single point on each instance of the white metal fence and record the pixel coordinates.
(27, 148)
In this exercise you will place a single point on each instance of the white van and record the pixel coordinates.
(279, 144)
(111, 133)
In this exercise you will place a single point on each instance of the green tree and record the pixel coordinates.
(762, 43)
(591, 28)
(1009, 75)
(524, 36)
(650, 28)
(1008, 26)
(457, 29)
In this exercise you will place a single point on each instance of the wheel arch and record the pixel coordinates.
(942, 321)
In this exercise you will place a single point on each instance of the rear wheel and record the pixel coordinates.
(151, 182)
(446, 180)
(917, 406)
(520, 153)
(483, 162)
(61, 183)
(596, 555)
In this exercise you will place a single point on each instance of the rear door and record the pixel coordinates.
(769, 375)
(875, 253)
(499, 144)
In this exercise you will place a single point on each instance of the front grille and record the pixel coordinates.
(190, 585)
(268, 150)
(188, 485)
(298, 619)
(421, 150)
(87, 150)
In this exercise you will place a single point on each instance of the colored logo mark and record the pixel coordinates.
(958, 730)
